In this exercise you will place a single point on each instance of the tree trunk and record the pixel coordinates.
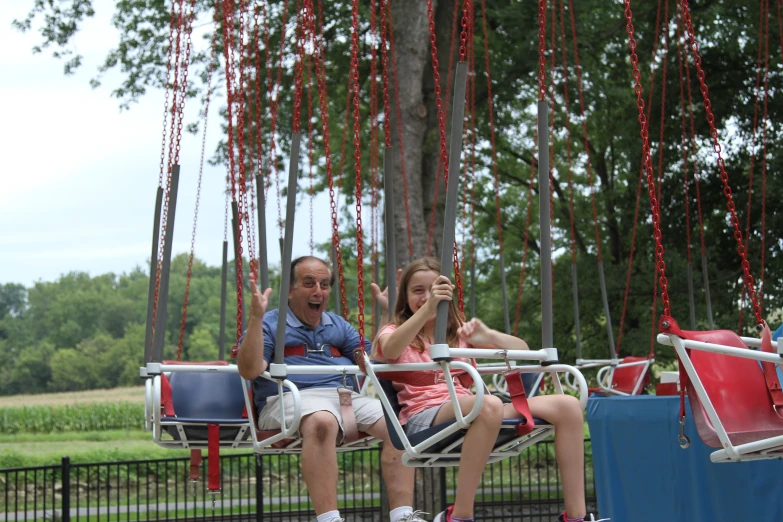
(411, 38)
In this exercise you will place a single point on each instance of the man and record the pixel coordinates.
(327, 339)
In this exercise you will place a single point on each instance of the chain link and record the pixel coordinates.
(724, 176)
(647, 162)
(542, 50)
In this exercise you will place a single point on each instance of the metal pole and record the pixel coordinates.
(609, 331)
(263, 265)
(706, 277)
(690, 296)
(153, 276)
(223, 297)
(547, 334)
(163, 296)
(285, 280)
(450, 218)
(575, 291)
(65, 471)
(389, 232)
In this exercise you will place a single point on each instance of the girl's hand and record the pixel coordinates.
(477, 333)
(442, 290)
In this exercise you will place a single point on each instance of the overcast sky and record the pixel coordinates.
(77, 188)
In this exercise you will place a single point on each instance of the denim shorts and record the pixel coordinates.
(422, 420)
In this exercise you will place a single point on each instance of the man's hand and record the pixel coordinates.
(259, 301)
(383, 296)
(477, 333)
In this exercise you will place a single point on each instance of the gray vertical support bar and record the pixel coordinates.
(163, 296)
(604, 298)
(282, 247)
(153, 276)
(237, 256)
(223, 297)
(450, 219)
(577, 327)
(706, 276)
(690, 296)
(337, 303)
(389, 232)
(263, 264)
(547, 333)
(285, 279)
(503, 293)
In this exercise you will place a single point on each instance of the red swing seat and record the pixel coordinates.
(737, 390)
(625, 378)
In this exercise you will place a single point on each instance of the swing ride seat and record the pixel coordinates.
(291, 444)
(630, 377)
(441, 445)
(731, 404)
(186, 403)
(450, 448)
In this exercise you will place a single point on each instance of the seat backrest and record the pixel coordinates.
(207, 395)
(625, 378)
(735, 386)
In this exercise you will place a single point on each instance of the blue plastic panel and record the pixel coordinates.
(642, 474)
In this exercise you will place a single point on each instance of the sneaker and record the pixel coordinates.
(444, 516)
(413, 516)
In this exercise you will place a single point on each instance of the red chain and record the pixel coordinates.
(764, 164)
(467, 10)
(757, 90)
(568, 134)
(438, 101)
(173, 23)
(436, 190)
(310, 152)
(542, 50)
(258, 140)
(374, 144)
(588, 163)
(662, 129)
(659, 251)
(399, 131)
(684, 141)
(724, 177)
(357, 155)
(385, 77)
(324, 107)
(492, 125)
(198, 198)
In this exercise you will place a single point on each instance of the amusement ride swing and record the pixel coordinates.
(734, 391)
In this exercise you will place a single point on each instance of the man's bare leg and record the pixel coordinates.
(319, 459)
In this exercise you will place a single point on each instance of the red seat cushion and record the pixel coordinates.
(737, 390)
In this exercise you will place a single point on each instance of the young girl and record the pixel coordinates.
(408, 338)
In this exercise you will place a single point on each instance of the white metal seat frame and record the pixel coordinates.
(420, 455)
(605, 375)
(766, 448)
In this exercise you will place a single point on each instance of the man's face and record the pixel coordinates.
(310, 294)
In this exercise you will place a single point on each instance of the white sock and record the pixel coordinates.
(329, 515)
(398, 512)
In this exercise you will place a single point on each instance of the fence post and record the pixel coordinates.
(65, 471)
(259, 488)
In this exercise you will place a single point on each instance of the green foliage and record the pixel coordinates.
(69, 418)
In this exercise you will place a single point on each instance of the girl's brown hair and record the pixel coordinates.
(402, 311)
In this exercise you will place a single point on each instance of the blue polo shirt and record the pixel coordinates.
(333, 331)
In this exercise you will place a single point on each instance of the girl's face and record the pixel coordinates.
(419, 288)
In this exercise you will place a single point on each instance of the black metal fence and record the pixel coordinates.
(270, 488)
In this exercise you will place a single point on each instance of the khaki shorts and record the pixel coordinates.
(366, 409)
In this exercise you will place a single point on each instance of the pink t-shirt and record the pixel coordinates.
(415, 399)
